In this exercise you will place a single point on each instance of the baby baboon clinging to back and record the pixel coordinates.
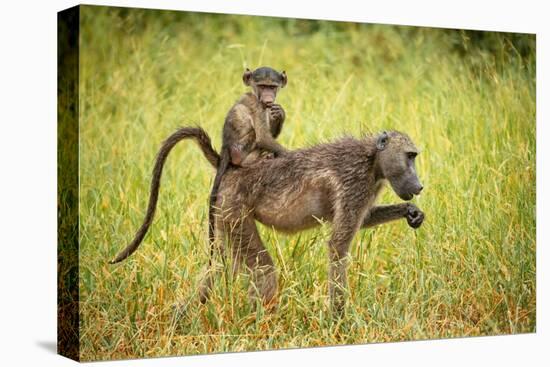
(337, 182)
(250, 128)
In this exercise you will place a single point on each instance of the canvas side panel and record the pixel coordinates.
(67, 182)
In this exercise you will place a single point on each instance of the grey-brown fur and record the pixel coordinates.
(337, 182)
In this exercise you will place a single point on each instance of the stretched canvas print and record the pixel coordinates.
(237, 183)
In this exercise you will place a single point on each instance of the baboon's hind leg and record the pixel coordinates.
(215, 268)
(247, 243)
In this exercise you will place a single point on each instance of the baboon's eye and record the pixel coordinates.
(411, 155)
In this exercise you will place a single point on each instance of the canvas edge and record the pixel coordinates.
(68, 58)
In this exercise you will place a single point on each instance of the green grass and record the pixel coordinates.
(468, 104)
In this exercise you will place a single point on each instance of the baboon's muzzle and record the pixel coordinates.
(409, 188)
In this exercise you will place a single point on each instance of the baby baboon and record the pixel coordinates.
(249, 133)
(337, 182)
(250, 128)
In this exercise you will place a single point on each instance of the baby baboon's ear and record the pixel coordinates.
(246, 77)
(284, 79)
(382, 141)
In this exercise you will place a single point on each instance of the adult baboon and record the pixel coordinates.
(336, 182)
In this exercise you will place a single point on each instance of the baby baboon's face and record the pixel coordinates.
(396, 159)
(265, 83)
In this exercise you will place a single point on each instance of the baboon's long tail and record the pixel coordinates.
(203, 140)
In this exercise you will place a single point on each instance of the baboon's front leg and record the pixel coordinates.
(386, 213)
(343, 231)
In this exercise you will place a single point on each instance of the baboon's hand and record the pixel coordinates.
(276, 111)
(414, 216)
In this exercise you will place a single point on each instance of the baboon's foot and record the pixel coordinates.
(206, 283)
(338, 300)
(269, 306)
(338, 310)
(204, 290)
(272, 305)
(263, 289)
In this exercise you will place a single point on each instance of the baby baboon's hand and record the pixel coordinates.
(414, 216)
(276, 111)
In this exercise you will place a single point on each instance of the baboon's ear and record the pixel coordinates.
(382, 141)
(284, 79)
(246, 76)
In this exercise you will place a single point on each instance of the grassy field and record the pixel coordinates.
(467, 100)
